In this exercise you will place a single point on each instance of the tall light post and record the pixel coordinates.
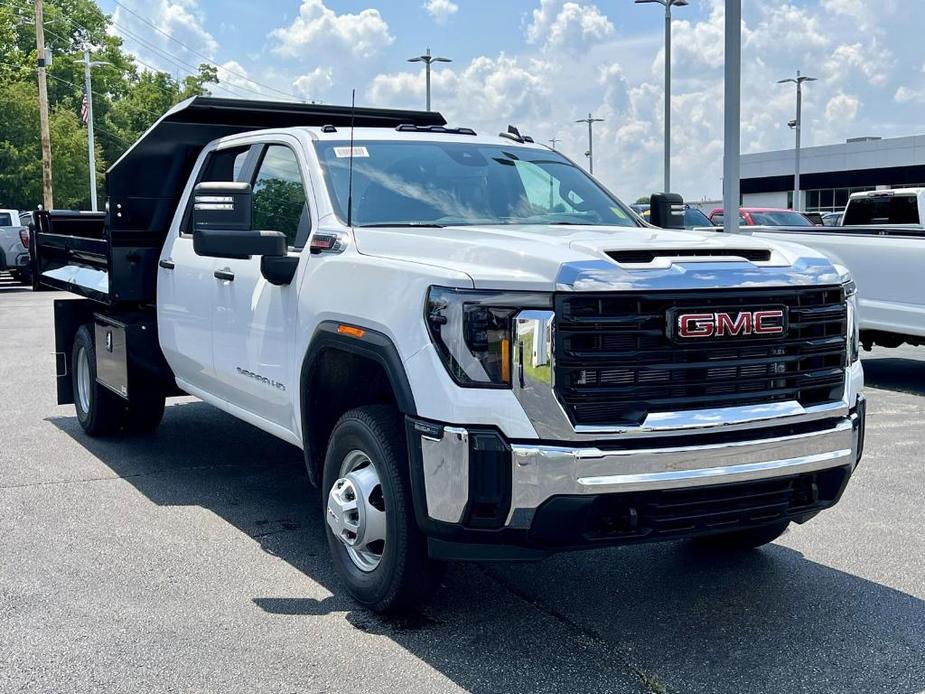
(428, 59)
(668, 4)
(732, 90)
(91, 145)
(797, 125)
(590, 120)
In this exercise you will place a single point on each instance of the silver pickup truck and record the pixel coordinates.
(14, 246)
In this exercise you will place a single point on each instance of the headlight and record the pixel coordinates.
(854, 333)
(472, 331)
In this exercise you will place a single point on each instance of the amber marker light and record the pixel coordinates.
(350, 330)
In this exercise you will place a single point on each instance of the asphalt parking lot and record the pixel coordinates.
(194, 560)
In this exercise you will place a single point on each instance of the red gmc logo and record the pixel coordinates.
(767, 322)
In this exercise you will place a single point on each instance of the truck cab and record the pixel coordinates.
(482, 353)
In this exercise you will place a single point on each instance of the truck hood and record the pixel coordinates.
(553, 257)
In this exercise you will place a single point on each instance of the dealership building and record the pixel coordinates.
(829, 174)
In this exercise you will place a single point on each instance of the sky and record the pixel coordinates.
(543, 64)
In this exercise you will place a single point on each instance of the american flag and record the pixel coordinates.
(85, 109)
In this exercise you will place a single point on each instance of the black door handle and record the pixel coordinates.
(166, 263)
(226, 275)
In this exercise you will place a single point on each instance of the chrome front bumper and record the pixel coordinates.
(541, 472)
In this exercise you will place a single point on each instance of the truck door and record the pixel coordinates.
(185, 282)
(253, 320)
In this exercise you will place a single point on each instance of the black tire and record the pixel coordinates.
(145, 409)
(104, 412)
(743, 540)
(405, 575)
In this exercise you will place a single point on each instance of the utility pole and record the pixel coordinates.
(732, 88)
(91, 144)
(590, 120)
(553, 142)
(47, 192)
(668, 5)
(797, 125)
(428, 59)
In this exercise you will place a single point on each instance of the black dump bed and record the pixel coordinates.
(112, 257)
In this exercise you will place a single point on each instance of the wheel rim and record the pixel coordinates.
(83, 379)
(356, 511)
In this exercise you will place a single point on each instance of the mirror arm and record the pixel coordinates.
(279, 269)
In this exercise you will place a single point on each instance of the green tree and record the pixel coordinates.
(126, 99)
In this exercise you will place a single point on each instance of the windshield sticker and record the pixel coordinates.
(344, 152)
(617, 211)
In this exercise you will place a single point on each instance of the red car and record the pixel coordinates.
(764, 216)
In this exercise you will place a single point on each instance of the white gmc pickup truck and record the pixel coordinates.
(483, 354)
(882, 244)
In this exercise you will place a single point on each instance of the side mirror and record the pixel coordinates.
(231, 243)
(667, 210)
(222, 205)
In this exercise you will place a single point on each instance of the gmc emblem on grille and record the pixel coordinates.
(768, 322)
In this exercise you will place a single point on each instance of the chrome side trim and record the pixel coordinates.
(541, 472)
(446, 474)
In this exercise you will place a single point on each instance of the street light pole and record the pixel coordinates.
(732, 88)
(590, 120)
(797, 125)
(428, 59)
(91, 144)
(668, 4)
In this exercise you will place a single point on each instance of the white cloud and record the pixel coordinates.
(441, 10)
(181, 19)
(487, 90)
(568, 26)
(318, 28)
(868, 60)
(314, 84)
(906, 95)
(842, 108)
(234, 81)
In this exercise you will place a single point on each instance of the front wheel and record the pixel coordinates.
(378, 550)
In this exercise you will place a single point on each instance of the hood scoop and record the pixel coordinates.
(645, 257)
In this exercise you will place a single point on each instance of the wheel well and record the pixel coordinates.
(337, 381)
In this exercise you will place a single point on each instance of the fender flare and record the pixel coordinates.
(371, 344)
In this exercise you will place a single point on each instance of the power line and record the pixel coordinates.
(237, 90)
(201, 55)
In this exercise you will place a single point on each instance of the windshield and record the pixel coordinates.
(780, 218)
(448, 183)
(695, 218)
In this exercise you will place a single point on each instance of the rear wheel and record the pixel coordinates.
(99, 411)
(743, 540)
(377, 548)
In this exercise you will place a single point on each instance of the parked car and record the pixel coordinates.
(814, 217)
(832, 219)
(483, 353)
(763, 216)
(14, 246)
(693, 217)
(886, 207)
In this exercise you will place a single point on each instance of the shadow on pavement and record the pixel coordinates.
(607, 620)
(896, 373)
